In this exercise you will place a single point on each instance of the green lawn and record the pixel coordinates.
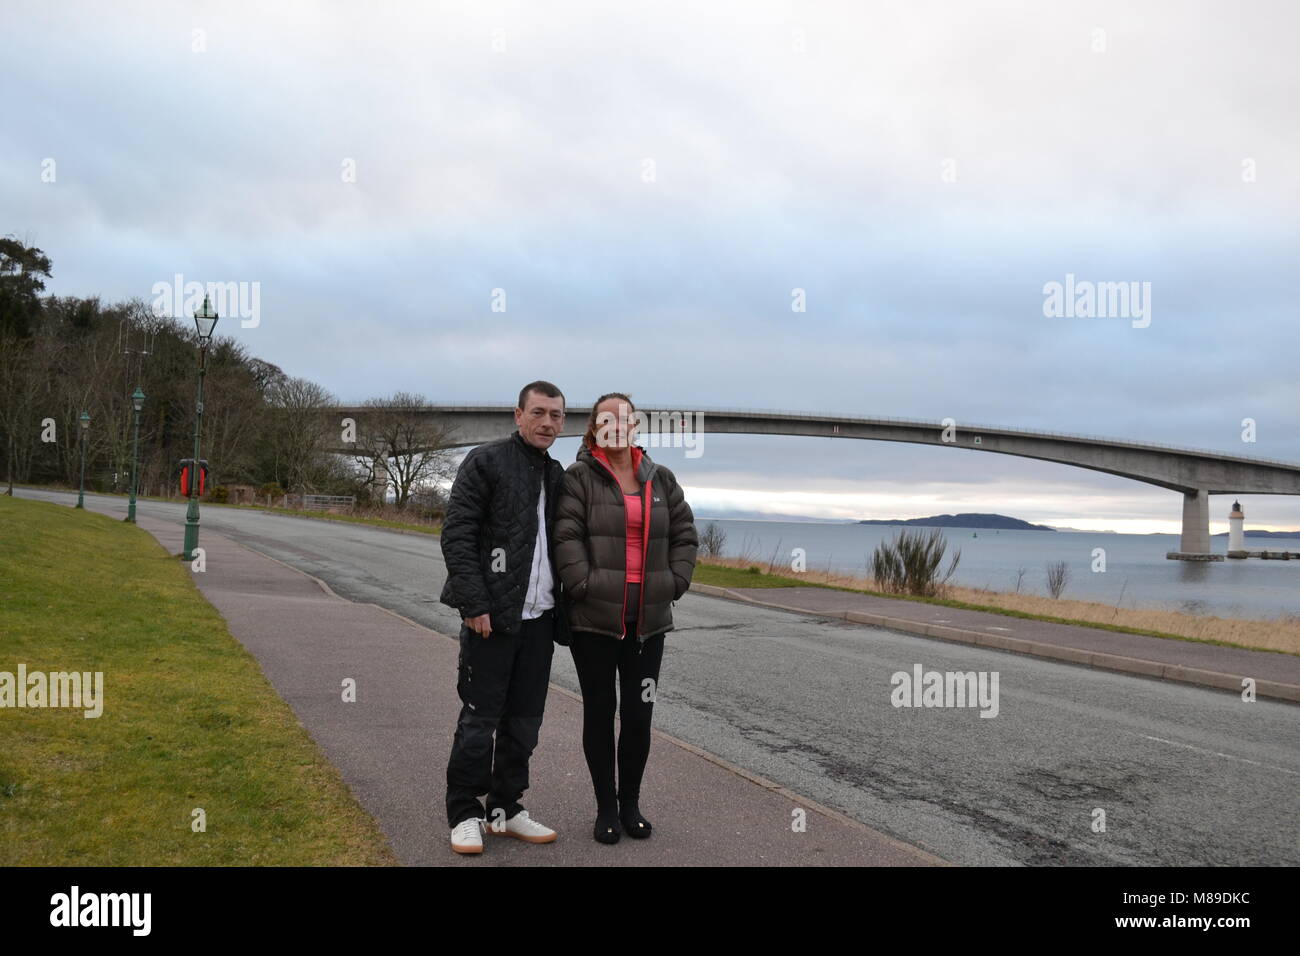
(188, 719)
(425, 528)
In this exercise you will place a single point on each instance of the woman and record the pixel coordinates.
(625, 546)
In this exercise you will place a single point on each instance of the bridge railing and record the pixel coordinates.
(865, 420)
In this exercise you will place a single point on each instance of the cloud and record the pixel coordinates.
(919, 171)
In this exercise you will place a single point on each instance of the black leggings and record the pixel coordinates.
(597, 657)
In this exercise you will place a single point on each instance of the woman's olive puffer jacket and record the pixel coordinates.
(591, 544)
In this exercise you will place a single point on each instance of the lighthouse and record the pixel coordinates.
(1236, 538)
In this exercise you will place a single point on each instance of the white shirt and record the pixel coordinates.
(541, 586)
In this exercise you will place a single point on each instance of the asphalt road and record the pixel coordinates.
(1184, 775)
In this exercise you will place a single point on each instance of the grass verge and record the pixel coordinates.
(1281, 636)
(404, 524)
(189, 721)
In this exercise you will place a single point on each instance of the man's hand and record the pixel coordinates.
(481, 625)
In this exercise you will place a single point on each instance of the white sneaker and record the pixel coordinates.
(467, 836)
(523, 827)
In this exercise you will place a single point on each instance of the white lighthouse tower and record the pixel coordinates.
(1236, 537)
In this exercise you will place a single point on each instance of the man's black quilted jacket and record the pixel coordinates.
(493, 504)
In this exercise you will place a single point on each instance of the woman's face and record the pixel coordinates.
(615, 424)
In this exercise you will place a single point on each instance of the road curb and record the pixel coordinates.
(1217, 680)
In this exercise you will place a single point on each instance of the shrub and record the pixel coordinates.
(910, 563)
(1057, 575)
(712, 541)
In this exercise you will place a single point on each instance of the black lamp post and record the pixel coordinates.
(137, 402)
(85, 431)
(205, 320)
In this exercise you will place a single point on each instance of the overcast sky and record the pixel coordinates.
(649, 182)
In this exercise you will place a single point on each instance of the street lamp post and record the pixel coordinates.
(205, 320)
(137, 402)
(85, 431)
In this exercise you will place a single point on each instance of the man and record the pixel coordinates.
(501, 576)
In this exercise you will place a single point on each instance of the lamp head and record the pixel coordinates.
(205, 320)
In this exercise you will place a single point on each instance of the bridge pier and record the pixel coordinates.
(1196, 523)
(1194, 545)
(378, 482)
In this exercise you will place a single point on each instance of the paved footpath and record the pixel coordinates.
(392, 744)
(1192, 662)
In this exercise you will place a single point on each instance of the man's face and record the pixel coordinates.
(541, 420)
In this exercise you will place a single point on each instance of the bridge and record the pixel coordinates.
(1194, 473)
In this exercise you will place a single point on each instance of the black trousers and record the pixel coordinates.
(604, 664)
(502, 681)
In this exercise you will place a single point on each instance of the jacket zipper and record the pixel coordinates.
(645, 538)
(541, 531)
(646, 495)
(535, 566)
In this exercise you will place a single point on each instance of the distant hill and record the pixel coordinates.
(967, 520)
(717, 514)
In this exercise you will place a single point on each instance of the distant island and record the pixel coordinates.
(967, 520)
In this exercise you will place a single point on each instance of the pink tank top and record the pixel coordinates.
(635, 540)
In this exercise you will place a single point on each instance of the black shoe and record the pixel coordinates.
(607, 829)
(637, 826)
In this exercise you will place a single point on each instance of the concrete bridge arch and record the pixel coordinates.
(1194, 473)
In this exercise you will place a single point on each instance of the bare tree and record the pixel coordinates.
(94, 378)
(712, 540)
(235, 415)
(300, 432)
(18, 417)
(1058, 573)
(403, 443)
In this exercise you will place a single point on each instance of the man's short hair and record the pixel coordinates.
(545, 388)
